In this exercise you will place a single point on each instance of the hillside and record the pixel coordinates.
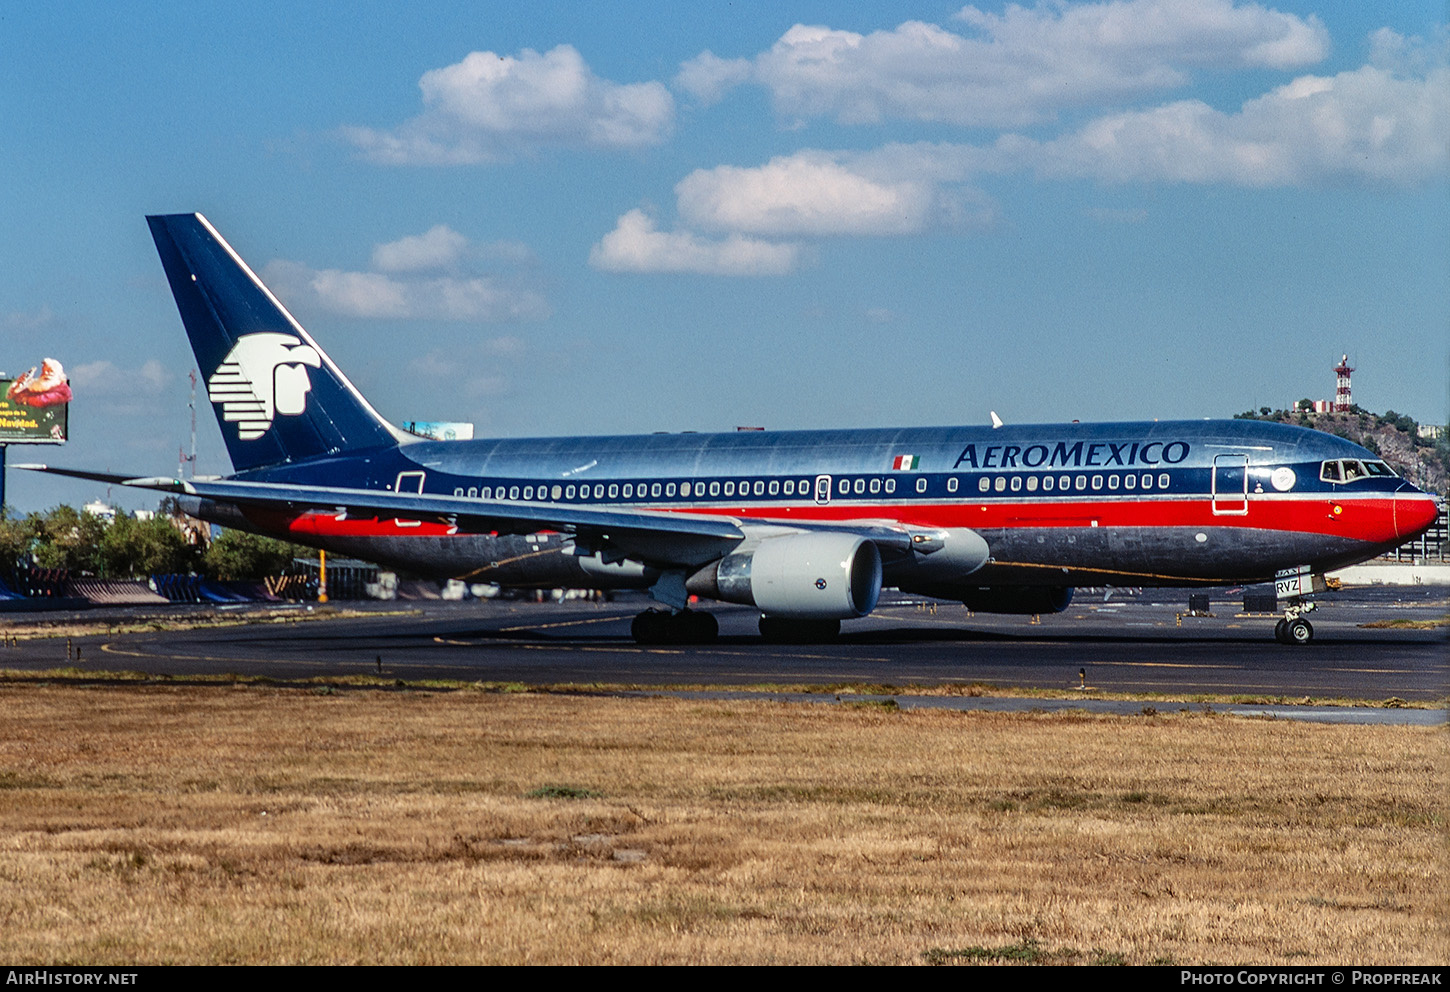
(1392, 436)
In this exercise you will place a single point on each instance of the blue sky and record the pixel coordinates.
(568, 218)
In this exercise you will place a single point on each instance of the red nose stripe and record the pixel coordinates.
(1413, 514)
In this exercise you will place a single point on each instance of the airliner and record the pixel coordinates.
(804, 526)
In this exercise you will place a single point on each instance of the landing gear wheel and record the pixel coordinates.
(704, 627)
(1299, 631)
(1281, 631)
(685, 627)
(782, 630)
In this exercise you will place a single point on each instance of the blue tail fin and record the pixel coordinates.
(278, 397)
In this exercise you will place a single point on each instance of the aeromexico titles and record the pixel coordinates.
(806, 526)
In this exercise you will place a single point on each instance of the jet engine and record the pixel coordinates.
(811, 576)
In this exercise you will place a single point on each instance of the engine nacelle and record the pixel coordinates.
(810, 576)
(1017, 599)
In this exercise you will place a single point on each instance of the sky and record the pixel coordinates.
(555, 218)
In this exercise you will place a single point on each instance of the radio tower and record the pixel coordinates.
(183, 460)
(1342, 399)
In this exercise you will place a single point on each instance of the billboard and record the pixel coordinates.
(35, 406)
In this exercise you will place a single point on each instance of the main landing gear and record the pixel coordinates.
(785, 630)
(1293, 628)
(682, 627)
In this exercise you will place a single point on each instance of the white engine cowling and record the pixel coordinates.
(810, 576)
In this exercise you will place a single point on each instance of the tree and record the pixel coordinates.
(238, 555)
(132, 548)
(69, 539)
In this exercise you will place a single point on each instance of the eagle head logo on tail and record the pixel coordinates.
(263, 376)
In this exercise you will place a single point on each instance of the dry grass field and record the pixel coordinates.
(156, 824)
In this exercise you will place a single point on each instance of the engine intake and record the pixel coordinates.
(813, 576)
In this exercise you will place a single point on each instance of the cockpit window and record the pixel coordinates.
(1350, 469)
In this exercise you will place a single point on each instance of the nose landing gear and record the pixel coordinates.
(1293, 628)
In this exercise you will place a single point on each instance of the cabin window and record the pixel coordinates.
(1097, 482)
(1080, 482)
(729, 489)
(952, 484)
(458, 491)
(984, 484)
(1047, 483)
(669, 489)
(860, 486)
(613, 490)
(1147, 482)
(775, 487)
(1129, 481)
(758, 488)
(876, 486)
(804, 487)
(921, 485)
(513, 492)
(1112, 482)
(599, 491)
(714, 489)
(790, 487)
(1064, 483)
(1016, 483)
(891, 485)
(472, 492)
(655, 490)
(556, 492)
(1163, 481)
(1032, 483)
(528, 492)
(845, 487)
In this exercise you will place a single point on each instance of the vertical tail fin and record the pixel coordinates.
(278, 397)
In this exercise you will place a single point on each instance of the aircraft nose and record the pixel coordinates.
(1414, 513)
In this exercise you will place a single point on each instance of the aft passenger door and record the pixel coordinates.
(1230, 485)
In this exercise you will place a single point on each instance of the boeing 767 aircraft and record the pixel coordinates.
(805, 526)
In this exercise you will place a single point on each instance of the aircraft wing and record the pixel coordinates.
(663, 538)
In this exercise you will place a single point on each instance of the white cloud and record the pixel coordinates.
(636, 246)
(898, 189)
(1368, 124)
(103, 377)
(419, 277)
(18, 320)
(708, 77)
(806, 193)
(490, 107)
(1016, 68)
(437, 248)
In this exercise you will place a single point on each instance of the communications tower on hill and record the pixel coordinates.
(1342, 399)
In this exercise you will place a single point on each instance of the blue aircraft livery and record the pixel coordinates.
(805, 526)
